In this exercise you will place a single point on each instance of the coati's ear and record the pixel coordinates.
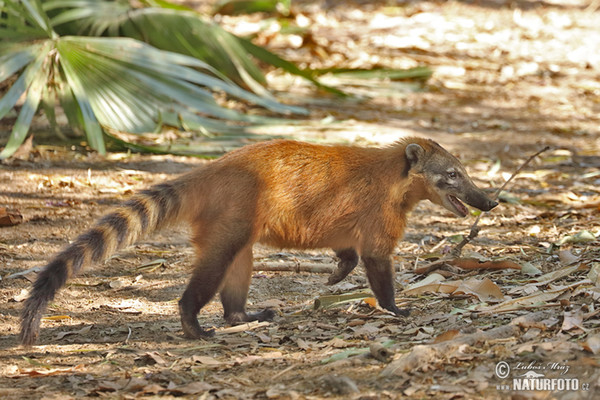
(414, 153)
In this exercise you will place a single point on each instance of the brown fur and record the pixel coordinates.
(282, 193)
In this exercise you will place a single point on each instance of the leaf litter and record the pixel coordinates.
(525, 83)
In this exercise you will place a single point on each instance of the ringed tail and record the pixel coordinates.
(144, 213)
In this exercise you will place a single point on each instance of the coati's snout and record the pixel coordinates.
(473, 196)
(448, 184)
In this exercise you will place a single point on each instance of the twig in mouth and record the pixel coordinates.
(455, 252)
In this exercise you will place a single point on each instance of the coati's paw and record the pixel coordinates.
(401, 312)
(348, 260)
(336, 277)
(265, 315)
(242, 317)
(194, 331)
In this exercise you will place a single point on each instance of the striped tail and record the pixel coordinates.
(144, 213)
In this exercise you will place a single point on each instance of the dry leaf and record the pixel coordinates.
(566, 257)
(23, 294)
(371, 301)
(485, 290)
(572, 320)
(473, 263)
(536, 319)
(116, 284)
(57, 317)
(51, 371)
(446, 287)
(448, 335)
(135, 384)
(192, 388)
(429, 279)
(206, 360)
(594, 274)
(592, 344)
(152, 357)
(81, 331)
(10, 217)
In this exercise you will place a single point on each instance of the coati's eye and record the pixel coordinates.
(452, 174)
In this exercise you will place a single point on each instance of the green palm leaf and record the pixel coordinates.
(120, 84)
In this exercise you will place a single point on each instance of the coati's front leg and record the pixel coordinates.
(348, 261)
(234, 292)
(380, 273)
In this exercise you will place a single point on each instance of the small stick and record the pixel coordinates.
(243, 327)
(455, 252)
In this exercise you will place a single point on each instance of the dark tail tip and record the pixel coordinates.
(47, 283)
(30, 323)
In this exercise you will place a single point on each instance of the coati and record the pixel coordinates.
(282, 193)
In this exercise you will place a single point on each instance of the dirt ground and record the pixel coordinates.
(510, 77)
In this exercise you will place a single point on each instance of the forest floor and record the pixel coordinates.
(510, 77)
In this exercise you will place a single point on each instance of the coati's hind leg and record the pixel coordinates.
(380, 273)
(348, 261)
(216, 251)
(234, 291)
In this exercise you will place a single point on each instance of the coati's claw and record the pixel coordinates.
(265, 315)
(348, 261)
(199, 333)
(402, 312)
(238, 318)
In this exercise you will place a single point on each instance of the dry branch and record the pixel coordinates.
(291, 266)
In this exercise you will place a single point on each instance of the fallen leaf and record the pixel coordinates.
(429, 279)
(10, 217)
(572, 320)
(473, 263)
(555, 275)
(371, 301)
(116, 284)
(192, 388)
(566, 257)
(51, 371)
(538, 298)
(594, 274)
(528, 268)
(81, 331)
(592, 344)
(108, 386)
(448, 335)
(152, 357)
(206, 360)
(153, 388)
(580, 237)
(57, 318)
(23, 294)
(537, 319)
(366, 329)
(446, 287)
(135, 384)
(485, 290)
(340, 385)
(339, 299)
